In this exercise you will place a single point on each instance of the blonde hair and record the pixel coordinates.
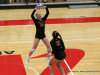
(36, 14)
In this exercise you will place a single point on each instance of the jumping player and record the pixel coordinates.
(40, 31)
(58, 51)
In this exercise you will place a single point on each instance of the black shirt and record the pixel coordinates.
(40, 25)
(57, 46)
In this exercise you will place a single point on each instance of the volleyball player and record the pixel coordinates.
(40, 32)
(58, 51)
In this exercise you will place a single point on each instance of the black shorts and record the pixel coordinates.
(60, 56)
(40, 36)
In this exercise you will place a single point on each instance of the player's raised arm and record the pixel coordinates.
(47, 12)
(32, 15)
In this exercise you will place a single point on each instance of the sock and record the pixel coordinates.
(28, 57)
(63, 74)
(48, 58)
(51, 74)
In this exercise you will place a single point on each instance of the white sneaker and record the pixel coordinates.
(27, 62)
(48, 58)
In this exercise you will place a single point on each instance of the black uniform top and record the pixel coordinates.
(40, 25)
(57, 46)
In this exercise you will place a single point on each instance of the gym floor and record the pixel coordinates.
(79, 28)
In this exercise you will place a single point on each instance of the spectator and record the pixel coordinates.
(45, 1)
(1, 1)
(97, 0)
(27, 1)
(55, 0)
(20, 0)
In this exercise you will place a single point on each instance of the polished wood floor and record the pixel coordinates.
(20, 38)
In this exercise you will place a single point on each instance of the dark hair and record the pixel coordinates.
(56, 34)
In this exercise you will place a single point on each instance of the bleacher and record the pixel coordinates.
(21, 4)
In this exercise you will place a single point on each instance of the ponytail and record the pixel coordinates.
(56, 34)
(60, 36)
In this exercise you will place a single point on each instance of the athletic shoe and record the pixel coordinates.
(27, 62)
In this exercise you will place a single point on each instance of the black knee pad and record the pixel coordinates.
(58, 67)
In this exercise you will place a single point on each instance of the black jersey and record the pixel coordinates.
(40, 25)
(58, 48)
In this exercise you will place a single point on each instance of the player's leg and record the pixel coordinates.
(21, 0)
(58, 65)
(45, 1)
(14, 0)
(52, 61)
(40, 1)
(27, 1)
(33, 0)
(46, 42)
(36, 41)
(37, 1)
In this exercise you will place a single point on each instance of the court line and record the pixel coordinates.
(64, 60)
(51, 36)
(15, 13)
(68, 67)
(83, 39)
(19, 42)
(32, 69)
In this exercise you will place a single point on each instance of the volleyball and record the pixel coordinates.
(39, 5)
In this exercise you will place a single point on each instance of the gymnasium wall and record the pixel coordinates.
(64, 3)
(80, 0)
(31, 0)
(55, 0)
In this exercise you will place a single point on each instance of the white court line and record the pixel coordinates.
(49, 34)
(83, 39)
(19, 42)
(51, 37)
(68, 67)
(15, 13)
(64, 60)
(32, 69)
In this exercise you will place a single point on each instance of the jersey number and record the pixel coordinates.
(58, 43)
(41, 24)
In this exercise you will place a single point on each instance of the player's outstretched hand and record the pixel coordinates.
(48, 55)
(44, 7)
(36, 8)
